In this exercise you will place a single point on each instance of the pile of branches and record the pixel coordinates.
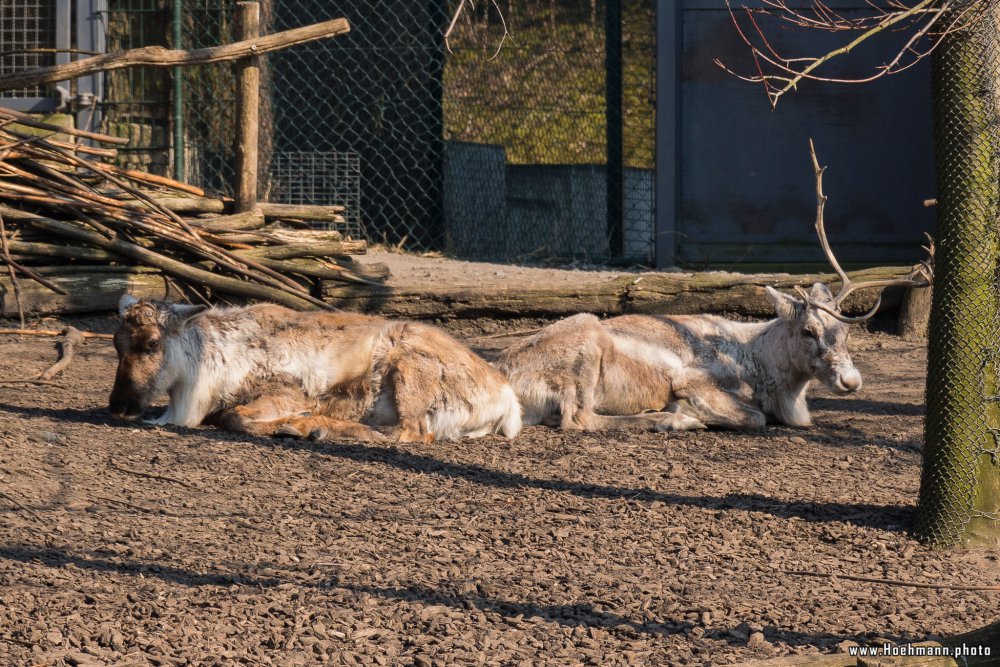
(66, 206)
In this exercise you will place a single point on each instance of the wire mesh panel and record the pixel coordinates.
(959, 499)
(135, 102)
(483, 153)
(376, 92)
(207, 92)
(323, 178)
(526, 130)
(26, 27)
(639, 129)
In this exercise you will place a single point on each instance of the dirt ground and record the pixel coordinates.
(129, 545)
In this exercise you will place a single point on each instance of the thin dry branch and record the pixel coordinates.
(13, 501)
(149, 475)
(10, 271)
(36, 381)
(780, 73)
(52, 332)
(157, 56)
(67, 350)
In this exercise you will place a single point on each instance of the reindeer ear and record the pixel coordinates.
(786, 305)
(820, 292)
(125, 302)
(179, 315)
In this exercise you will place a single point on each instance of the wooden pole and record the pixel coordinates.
(247, 108)
(157, 56)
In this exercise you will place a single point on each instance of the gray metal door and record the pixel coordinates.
(736, 186)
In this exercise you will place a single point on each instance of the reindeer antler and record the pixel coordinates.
(924, 269)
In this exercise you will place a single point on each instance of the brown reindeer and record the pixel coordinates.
(688, 372)
(268, 370)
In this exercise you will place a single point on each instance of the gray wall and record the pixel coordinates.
(497, 210)
(745, 187)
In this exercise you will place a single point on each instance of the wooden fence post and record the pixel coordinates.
(247, 108)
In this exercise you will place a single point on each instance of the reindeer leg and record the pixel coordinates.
(407, 387)
(649, 421)
(287, 411)
(325, 428)
(716, 407)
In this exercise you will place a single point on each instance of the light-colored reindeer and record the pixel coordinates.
(265, 370)
(689, 372)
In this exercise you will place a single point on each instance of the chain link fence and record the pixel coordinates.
(959, 499)
(27, 36)
(432, 146)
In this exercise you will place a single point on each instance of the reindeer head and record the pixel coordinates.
(817, 328)
(141, 342)
(817, 341)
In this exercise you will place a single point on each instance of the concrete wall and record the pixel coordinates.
(502, 211)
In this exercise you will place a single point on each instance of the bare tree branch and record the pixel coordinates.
(780, 73)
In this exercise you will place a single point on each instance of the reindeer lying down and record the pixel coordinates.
(688, 372)
(267, 370)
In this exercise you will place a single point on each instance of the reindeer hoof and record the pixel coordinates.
(678, 422)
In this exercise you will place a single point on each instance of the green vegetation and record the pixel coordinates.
(542, 96)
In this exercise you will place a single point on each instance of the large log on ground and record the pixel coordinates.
(427, 303)
(668, 293)
(87, 292)
(679, 293)
(644, 293)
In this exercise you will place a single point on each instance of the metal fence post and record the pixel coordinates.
(615, 133)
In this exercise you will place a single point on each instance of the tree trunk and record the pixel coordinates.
(960, 483)
(915, 313)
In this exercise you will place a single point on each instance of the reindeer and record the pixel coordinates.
(690, 372)
(268, 370)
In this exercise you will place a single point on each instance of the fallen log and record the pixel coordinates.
(682, 294)
(294, 251)
(673, 293)
(303, 212)
(253, 219)
(271, 210)
(86, 292)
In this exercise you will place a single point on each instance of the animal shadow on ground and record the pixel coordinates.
(883, 517)
(573, 615)
(581, 614)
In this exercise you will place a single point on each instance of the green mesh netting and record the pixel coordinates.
(959, 497)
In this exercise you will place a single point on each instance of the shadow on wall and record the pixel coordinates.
(496, 210)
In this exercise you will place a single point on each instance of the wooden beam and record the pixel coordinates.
(247, 108)
(157, 56)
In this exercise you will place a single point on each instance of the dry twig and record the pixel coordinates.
(35, 381)
(10, 271)
(52, 332)
(23, 508)
(149, 475)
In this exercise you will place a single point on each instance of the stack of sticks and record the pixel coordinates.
(66, 207)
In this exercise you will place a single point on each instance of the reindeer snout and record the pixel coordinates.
(121, 407)
(850, 381)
